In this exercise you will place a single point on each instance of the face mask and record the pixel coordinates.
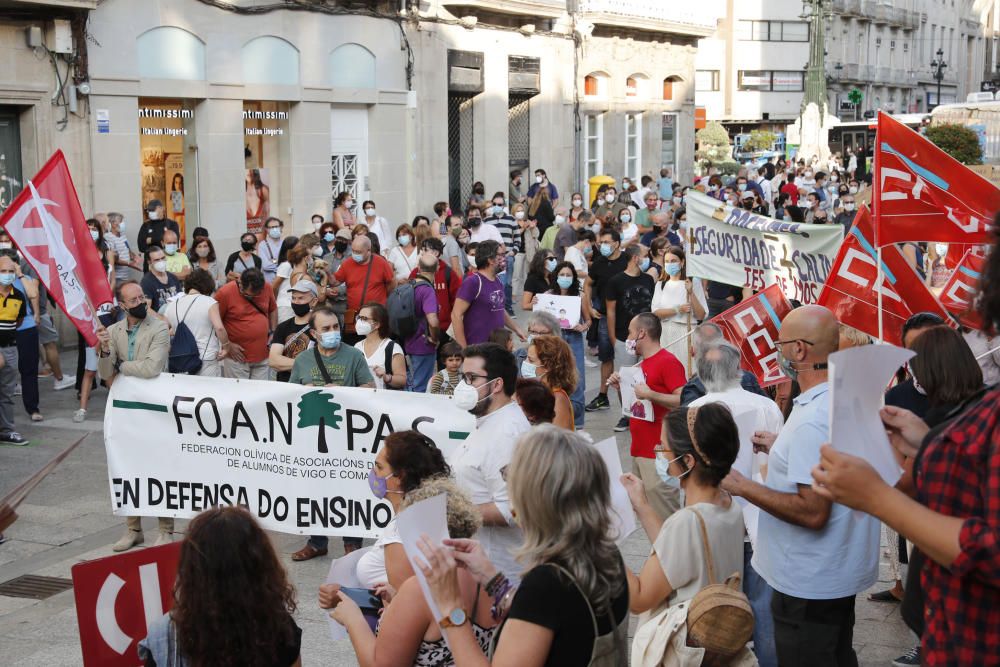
(808, 174)
(834, 178)
(538, 179)
(663, 472)
(340, 246)
(378, 485)
(6, 246)
(577, 202)
(357, 257)
(472, 260)
(609, 198)
(644, 264)
(596, 228)
(475, 222)
(630, 346)
(626, 219)
(329, 339)
(564, 282)
(160, 266)
(404, 240)
(467, 397)
(201, 252)
(274, 232)
(363, 328)
(588, 250)
(317, 251)
(550, 264)
(247, 245)
(7, 278)
(672, 269)
(497, 209)
(316, 226)
(121, 227)
(154, 215)
(713, 188)
(848, 206)
(606, 249)
(742, 187)
(519, 215)
(853, 189)
(787, 367)
(329, 237)
(94, 234)
(678, 200)
(300, 309)
(370, 212)
(560, 219)
(170, 248)
(138, 312)
(348, 203)
(528, 369)
(941, 249)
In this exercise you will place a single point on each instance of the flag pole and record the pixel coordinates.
(876, 216)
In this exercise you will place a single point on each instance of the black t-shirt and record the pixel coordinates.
(535, 285)
(601, 272)
(295, 338)
(159, 293)
(255, 262)
(548, 599)
(632, 295)
(904, 395)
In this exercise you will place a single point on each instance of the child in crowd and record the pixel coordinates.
(504, 338)
(446, 379)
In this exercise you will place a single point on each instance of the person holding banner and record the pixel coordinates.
(679, 302)
(249, 313)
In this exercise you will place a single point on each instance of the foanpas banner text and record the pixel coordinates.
(297, 457)
(738, 247)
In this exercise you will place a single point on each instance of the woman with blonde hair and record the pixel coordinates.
(679, 302)
(551, 361)
(571, 606)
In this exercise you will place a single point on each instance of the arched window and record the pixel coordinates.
(595, 84)
(668, 87)
(270, 60)
(186, 59)
(352, 66)
(637, 86)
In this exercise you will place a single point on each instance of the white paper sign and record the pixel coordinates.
(747, 464)
(622, 516)
(343, 571)
(631, 406)
(427, 517)
(566, 309)
(858, 377)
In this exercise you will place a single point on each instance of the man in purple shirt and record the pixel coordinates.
(479, 306)
(422, 345)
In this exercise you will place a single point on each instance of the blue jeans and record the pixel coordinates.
(421, 370)
(508, 285)
(575, 341)
(321, 541)
(759, 593)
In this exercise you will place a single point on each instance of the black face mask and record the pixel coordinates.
(247, 245)
(475, 222)
(300, 309)
(138, 312)
(340, 246)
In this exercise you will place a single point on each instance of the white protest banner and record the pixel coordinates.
(566, 309)
(737, 247)
(297, 457)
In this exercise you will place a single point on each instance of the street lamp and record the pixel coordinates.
(938, 65)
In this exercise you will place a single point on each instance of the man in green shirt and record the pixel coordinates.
(329, 364)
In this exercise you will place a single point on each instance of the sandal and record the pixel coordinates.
(308, 552)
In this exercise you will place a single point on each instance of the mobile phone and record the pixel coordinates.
(365, 598)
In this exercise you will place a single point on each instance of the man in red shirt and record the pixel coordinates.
(446, 282)
(665, 378)
(790, 189)
(369, 278)
(249, 314)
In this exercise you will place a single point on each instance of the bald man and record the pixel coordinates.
(368, 277)
(815, 555)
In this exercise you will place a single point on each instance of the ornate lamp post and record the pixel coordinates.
(938, 65)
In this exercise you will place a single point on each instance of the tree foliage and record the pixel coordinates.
(760, 140)
(958, 141)
(713, 143)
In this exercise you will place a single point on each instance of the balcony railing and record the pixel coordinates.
(65, 4)
(847, 7)
(702, 20)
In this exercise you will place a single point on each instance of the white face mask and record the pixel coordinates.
(941, 249)
(472, 260)
(467, 397)
(363, 328)
(853, 189)
(577, 202)
(318, 251)
(370, 212)
(609, 198)
(538, 179)
(201, 252)
(519, 215)
(848, 206)
(560, 219)
(154, 215)
(160, 266)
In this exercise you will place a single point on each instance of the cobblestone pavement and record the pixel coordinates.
(68, 519)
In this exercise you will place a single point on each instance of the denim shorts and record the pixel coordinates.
(605, 350)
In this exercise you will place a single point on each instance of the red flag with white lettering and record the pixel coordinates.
(959, 293)
(924, 194)
(956, 253)
(851, 289)
(752, 325)
(49, 228)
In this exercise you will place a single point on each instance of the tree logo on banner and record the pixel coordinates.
(317, 408)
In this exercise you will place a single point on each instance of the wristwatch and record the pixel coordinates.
(455, 618)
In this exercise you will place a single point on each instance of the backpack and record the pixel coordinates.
(184, 355)
(387, 365)
(401, 305)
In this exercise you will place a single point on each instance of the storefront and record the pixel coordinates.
(266, 155)
(166, 131)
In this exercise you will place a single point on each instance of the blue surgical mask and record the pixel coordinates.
(550, 264)
(329, 237)
(606, 249)
(663, 471)
(564, 282)
(329, 339)
(644, 264)
(497, 210)
(588, 250)
(626, 219)
(274, 232)
(528, 369)
(357, 257)
(672, 269)
(170, 248)
(404, 240)
(7, 278)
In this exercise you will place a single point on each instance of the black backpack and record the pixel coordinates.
(403, 319)
(184, 356)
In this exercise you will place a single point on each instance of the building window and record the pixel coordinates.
(668, 147)
(774, 31)
(633, 145)
(518, 131)
(706, 80)
(595, 84)
(771, 81)
(668, 87)
(593, 145)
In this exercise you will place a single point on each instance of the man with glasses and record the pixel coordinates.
(479, 305)
(848, 209)
(815, 554)
(136, 346)
(486, 389)
(249, 314)
(270, 248)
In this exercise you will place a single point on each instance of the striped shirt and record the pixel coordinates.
(120, 245)
(509, 230)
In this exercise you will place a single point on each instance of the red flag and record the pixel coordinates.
(924, 194)
(49, 228)
(958, 295)
(752, 326)
(956, 253)
(851, 290)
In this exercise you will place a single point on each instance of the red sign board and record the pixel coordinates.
(118, 597)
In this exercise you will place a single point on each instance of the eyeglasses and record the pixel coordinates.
(362, 318)
(472, 377)
(536, 332)
(796, 340)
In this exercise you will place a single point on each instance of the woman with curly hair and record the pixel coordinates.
(233, 603)
(551, 361)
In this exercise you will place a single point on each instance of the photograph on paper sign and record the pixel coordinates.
(634, 407)
(566, 309)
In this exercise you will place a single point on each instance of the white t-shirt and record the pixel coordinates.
(486, 232)
(403, 264)
(370, 569)
(579, 262)
(476, 464)
(284, 295)
(673, 293)
(378, 358)
(196, 319)
(380, 227)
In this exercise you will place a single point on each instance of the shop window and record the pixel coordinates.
(265, 151)
(270, 60)
(186, 60)
(166, 132)
(352, 66)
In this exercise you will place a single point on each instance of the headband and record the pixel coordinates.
(692, 416)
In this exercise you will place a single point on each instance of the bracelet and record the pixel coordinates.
(493, 585)
(498, 596)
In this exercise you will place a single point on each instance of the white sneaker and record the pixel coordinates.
(79, 415)
(130, 539)
(164, 538)
(67, 382)
(589, 364)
